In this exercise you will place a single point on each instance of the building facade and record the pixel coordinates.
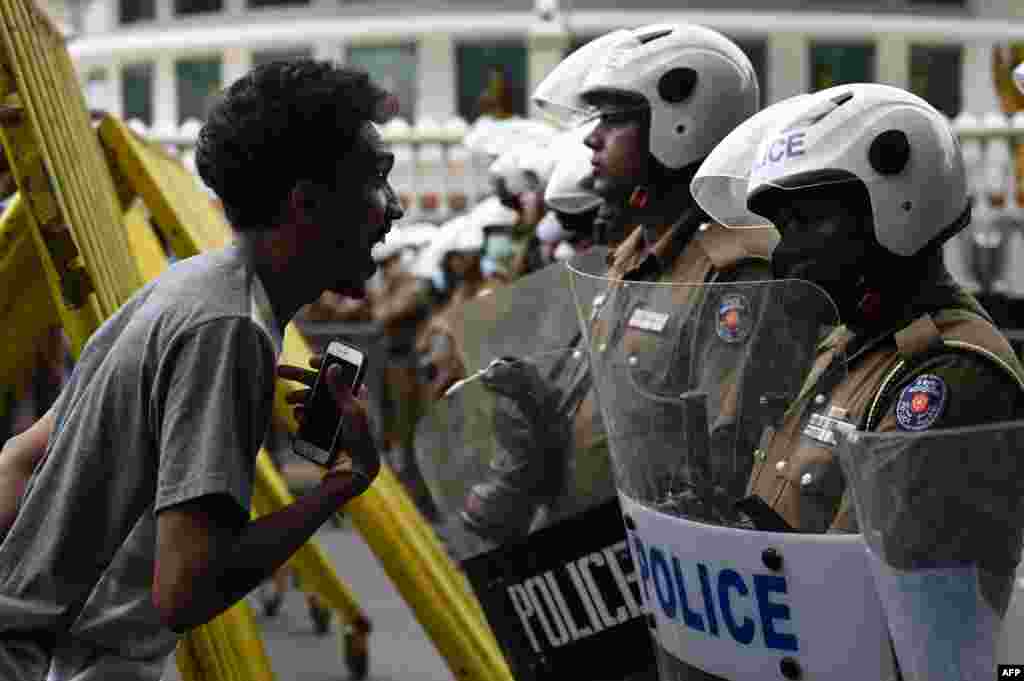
(159, 60)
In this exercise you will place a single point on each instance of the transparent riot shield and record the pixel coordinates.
(517, 464)
(941, 513)
(689, 378)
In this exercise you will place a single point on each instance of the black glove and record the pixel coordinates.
(534, 445)
(520, 382)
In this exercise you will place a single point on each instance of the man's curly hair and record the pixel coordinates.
(282, 123)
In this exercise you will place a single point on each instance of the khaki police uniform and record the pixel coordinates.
(942, 365)
(714, 255)
(437, 339)
(690, 251)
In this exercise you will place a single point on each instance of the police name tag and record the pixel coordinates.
(822, 427)
(648, 320)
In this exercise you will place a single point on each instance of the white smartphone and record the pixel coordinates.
(319, 434)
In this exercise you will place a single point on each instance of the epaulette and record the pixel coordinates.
(726, 247)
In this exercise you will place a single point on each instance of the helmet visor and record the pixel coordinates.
(558, 94)
(721, 184)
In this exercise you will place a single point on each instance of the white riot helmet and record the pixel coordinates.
(721, 182)
(532, 163)
(402, 239)
(698, 84)
(556, 95)
(569, 189)
(454, 236)
(901, 148)
(493, 137)
(491, 212)
(508, 168)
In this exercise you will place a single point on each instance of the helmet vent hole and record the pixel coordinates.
(680, 129)
(677, 84)
(646, 38)
(889, 152)
(842, 99)
(907, 205)
(816, 115)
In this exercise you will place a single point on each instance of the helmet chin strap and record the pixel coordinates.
(639, 198)
(659, 204)
(892, 283)
(870, 307)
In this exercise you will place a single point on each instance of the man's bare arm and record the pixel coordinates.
(208, 557)
(18, 459)
(206, 561)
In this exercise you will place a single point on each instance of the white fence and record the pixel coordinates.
(989, 255)
(437, 177)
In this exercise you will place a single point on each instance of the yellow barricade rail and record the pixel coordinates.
(68, 184)
(64, 234)
(183, 212)
(28, 314)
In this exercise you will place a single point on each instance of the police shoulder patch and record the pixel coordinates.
(921, 403)
(734, 318)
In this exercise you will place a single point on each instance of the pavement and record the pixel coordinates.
(399, 647)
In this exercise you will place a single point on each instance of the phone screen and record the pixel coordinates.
(318, 435)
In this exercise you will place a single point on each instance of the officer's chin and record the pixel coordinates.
(611, 190)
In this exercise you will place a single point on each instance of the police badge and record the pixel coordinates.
(734, 318)
(921, 403)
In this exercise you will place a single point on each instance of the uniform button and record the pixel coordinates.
(633, 360)
(819, 399)
(780, 465)
(805, 479)
(602, 347)
(772, 559)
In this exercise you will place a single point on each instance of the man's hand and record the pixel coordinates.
(208, 557)
(521, 382)
(18, 459)
(358, 456)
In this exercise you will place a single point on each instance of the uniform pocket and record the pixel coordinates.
(816, 484)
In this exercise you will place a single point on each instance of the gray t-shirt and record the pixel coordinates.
(170, 401)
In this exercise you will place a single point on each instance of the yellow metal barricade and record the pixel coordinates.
(65, 250)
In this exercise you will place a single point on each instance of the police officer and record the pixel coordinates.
(662, 96)
(865, 183)
(422, 358)
(519, 186)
